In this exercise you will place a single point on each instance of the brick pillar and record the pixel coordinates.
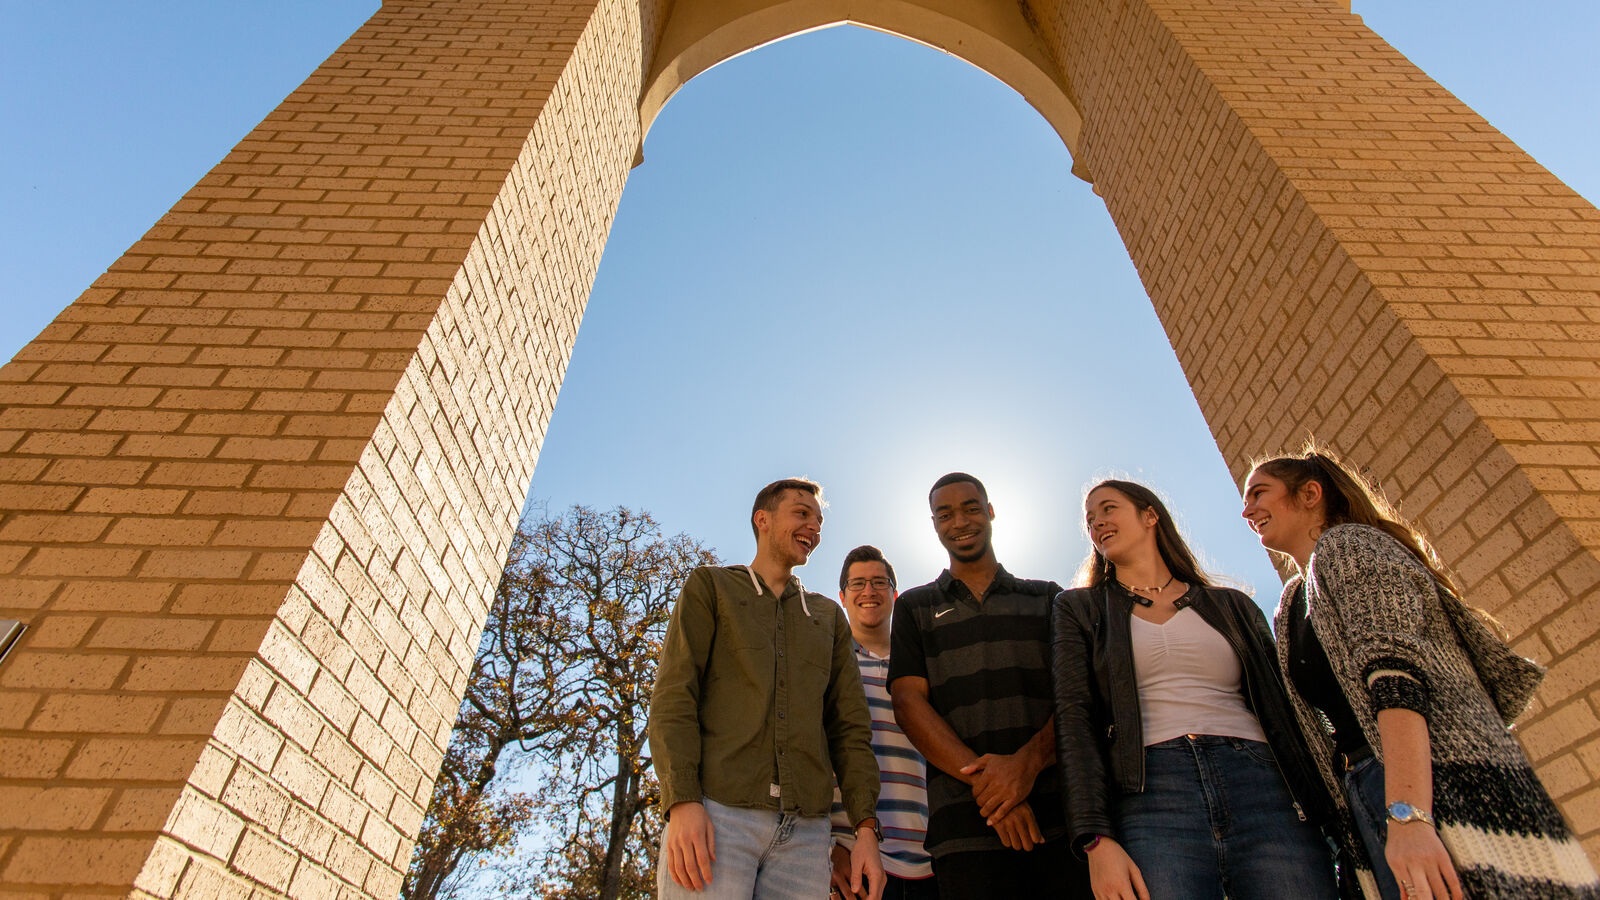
(1338, 246)
(258, 482)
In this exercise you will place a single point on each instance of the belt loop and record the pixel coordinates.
(1348, 761)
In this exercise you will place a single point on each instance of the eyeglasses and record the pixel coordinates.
(860, 584)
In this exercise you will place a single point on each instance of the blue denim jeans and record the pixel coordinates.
(1363, 787)
(761, 854)
(1215, 819)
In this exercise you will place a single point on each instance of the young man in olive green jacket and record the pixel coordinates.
(758, 706)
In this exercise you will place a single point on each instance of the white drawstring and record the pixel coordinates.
(756, 583)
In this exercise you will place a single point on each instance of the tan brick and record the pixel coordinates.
(247, 735)
(256, 797)
(136, 501)
(169, 633)
(159, 878)
(186, 565)
(128, 597)
(141, 809)
(290, 714)
(39, 497)
(174, 674)
(97, 713)
(198, 474)
(191, 716)
(39, 860)
(289, 658)
(206, 825)
(17, 707)
(235, 503)
(168, 446)
(32, 757)
(348, 860)
(134, 759)
(62, 671)
(383, 881)
(1584, 811)
(228, 599)
(51, 808)
(98, 561)
(311, 882)
(212, 771)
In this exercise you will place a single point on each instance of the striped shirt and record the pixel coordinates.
(903, 791)
(988, 670)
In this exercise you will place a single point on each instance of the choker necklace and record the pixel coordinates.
(1148, 590)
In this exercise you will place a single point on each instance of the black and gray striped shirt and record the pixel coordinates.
(988, 670)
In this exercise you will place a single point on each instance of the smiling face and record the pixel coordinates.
(1286, 521)
(868, 595)
(1118, 528)
(963, 521)
(791, 530)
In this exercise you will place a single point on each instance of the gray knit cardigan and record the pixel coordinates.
(1395, 639)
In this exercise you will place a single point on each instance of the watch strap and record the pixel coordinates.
(1401, 811)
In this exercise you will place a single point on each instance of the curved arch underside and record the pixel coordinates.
(992, 35)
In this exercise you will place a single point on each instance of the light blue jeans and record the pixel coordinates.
(1215, 820)
(761, 854)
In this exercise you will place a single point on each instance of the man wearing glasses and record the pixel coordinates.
(867, 592)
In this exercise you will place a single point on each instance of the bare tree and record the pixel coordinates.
(505, 705)
(563, 674)
(618, 577)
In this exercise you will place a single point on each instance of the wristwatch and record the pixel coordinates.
(1401, 811)
(877, 827)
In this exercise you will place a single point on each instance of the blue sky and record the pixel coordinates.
(845, 255)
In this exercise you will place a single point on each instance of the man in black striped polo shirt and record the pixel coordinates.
(969, 672)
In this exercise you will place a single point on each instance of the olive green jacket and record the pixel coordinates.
(758, 702)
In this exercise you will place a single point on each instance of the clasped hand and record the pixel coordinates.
(1000, 781)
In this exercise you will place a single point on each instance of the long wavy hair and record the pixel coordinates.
(1096, 569)
(1348, 497)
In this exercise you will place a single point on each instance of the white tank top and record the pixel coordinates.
(1189, 681)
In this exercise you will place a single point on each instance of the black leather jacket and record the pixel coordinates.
(1099, 738)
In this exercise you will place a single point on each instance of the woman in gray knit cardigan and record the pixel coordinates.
(1405, 697)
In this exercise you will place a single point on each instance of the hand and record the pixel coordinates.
(1000, 781)
(1018, 829)
(1113, 874)
(866, 867)
(691, 845)
(841, 872)
(1420, 863)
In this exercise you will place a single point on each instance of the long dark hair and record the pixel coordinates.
(1174, 552)
(1348, 498)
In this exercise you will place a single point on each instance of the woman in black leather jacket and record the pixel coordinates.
(1184, 772)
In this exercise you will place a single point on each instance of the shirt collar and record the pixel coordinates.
(863, 650)
(1002, 581)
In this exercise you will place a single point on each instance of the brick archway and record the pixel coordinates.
(260, 478)
(996, 37)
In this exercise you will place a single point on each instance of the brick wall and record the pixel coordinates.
(259, 481)
(1337, 246)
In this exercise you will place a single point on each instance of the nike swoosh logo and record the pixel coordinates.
(943, 611)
